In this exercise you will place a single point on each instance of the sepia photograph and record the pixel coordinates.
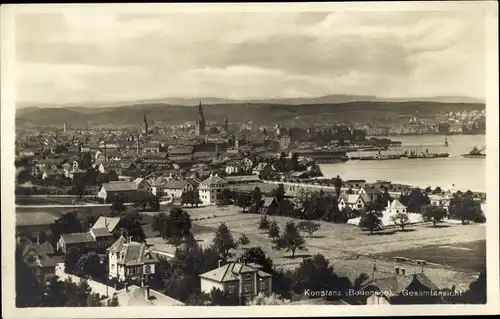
(285, 155)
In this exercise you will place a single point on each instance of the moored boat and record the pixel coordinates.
(475, 153)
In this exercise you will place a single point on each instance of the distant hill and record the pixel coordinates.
(259, 113)
(327, 99)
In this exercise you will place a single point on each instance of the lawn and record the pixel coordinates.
(462, 256)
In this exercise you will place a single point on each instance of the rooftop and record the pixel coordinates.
(136, 296)
(230, 272)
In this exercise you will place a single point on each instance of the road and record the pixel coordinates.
(96, 287)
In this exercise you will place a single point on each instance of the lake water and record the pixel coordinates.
(465, 173)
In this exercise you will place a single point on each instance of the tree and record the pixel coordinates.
(173, 227)
(257, 256)
(274, 231)
(400, 219)
(294, 162)
(243, 240)
(309, 227)
(113, 302)
(118, 206)
(68, 294)
(371, 219)
(317, 274)
(434, 214)
(179, 275)
(221, 298)
(71, 259)
(462, 206)
(67, 223)
(256, 200)
(264, 224)
(90, 220)
(262, 300)
(191, 197)
(278, 193)
(244, 201)
(223, 241)
(90, 264)
(337, 183)
(132, 224)
(291, 240)
(477, 290)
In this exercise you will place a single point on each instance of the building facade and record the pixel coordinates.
(209, 188)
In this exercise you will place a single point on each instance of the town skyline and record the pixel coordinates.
(249, 56)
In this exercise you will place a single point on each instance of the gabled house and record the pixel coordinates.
(354, 201)
(175, 188)
(40, 263)
(399, 288)
(142, 296)
(245, 280)
(56, 174)
(98, 239)
(123, 189)
(130, 261)
(210, 187)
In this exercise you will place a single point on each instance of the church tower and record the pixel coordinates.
(200, 123)
(226, 125)
(145, 128)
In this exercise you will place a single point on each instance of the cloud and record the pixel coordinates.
(250, 55)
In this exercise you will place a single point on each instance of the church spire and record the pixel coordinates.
(145, 124)
(226, 125)
(200, 123)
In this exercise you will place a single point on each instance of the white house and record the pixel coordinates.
(232, 168)
(354, 201)
(130, 260)
(209, 188)
(175, 188)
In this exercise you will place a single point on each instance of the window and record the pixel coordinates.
(247, 288)
(248, 277)
(113, 267)
(397, 211)
(359, 205)
(232, 288)
(148, 269)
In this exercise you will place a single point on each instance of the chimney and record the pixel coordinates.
(220, 263)
(146, 292)
(403, 271)
(38, 239)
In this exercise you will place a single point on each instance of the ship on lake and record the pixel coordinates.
(475, 153)
(426, 155)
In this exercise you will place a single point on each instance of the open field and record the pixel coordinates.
(347, 247)
(466, 256)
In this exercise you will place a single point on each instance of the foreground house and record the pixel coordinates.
(142, 296)
(246, 280)
(36, 257)
(130, 260)
(399, 289)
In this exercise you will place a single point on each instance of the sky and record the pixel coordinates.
(76, 58)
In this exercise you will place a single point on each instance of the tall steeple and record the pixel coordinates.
(200, 123)
(145, 128)
(226, 124)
